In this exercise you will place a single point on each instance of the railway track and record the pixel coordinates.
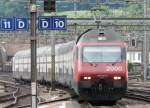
(14, 93)
(139, 91)
(63, 98)
(132, 93)
(139, 96)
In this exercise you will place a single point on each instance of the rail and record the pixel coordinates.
(138, 91)
(15, 95)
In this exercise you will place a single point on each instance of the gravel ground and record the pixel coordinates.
(127, 103)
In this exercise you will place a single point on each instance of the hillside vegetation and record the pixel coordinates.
(21, 9)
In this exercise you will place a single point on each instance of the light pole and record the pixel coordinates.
(75, 17)
(146, 48)
(52, 60)
(33, 11)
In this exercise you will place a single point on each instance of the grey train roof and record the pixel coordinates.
(110, 34)
(46, 50)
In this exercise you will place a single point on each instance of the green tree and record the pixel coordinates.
(9, 8)
(130, 67)
(134, 10)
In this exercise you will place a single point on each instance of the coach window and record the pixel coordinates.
(46, 62)
(40, 65)
(23, 63)
(75, 54)
(49, 72)
(17, 69)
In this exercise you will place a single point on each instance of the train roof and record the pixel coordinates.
(46, 50)
(99, 35)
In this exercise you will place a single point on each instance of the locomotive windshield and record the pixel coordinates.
(101, 54)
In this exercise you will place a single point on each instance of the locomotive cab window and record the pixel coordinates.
(102, 54)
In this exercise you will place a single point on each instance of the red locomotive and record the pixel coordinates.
(100, 66)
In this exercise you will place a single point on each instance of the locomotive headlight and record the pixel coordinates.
(117, 77)
(87, 78)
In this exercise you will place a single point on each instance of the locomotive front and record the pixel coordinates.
(101, 67)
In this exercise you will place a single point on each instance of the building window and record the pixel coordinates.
(133, 55)
(139, 56)
(133, 42)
